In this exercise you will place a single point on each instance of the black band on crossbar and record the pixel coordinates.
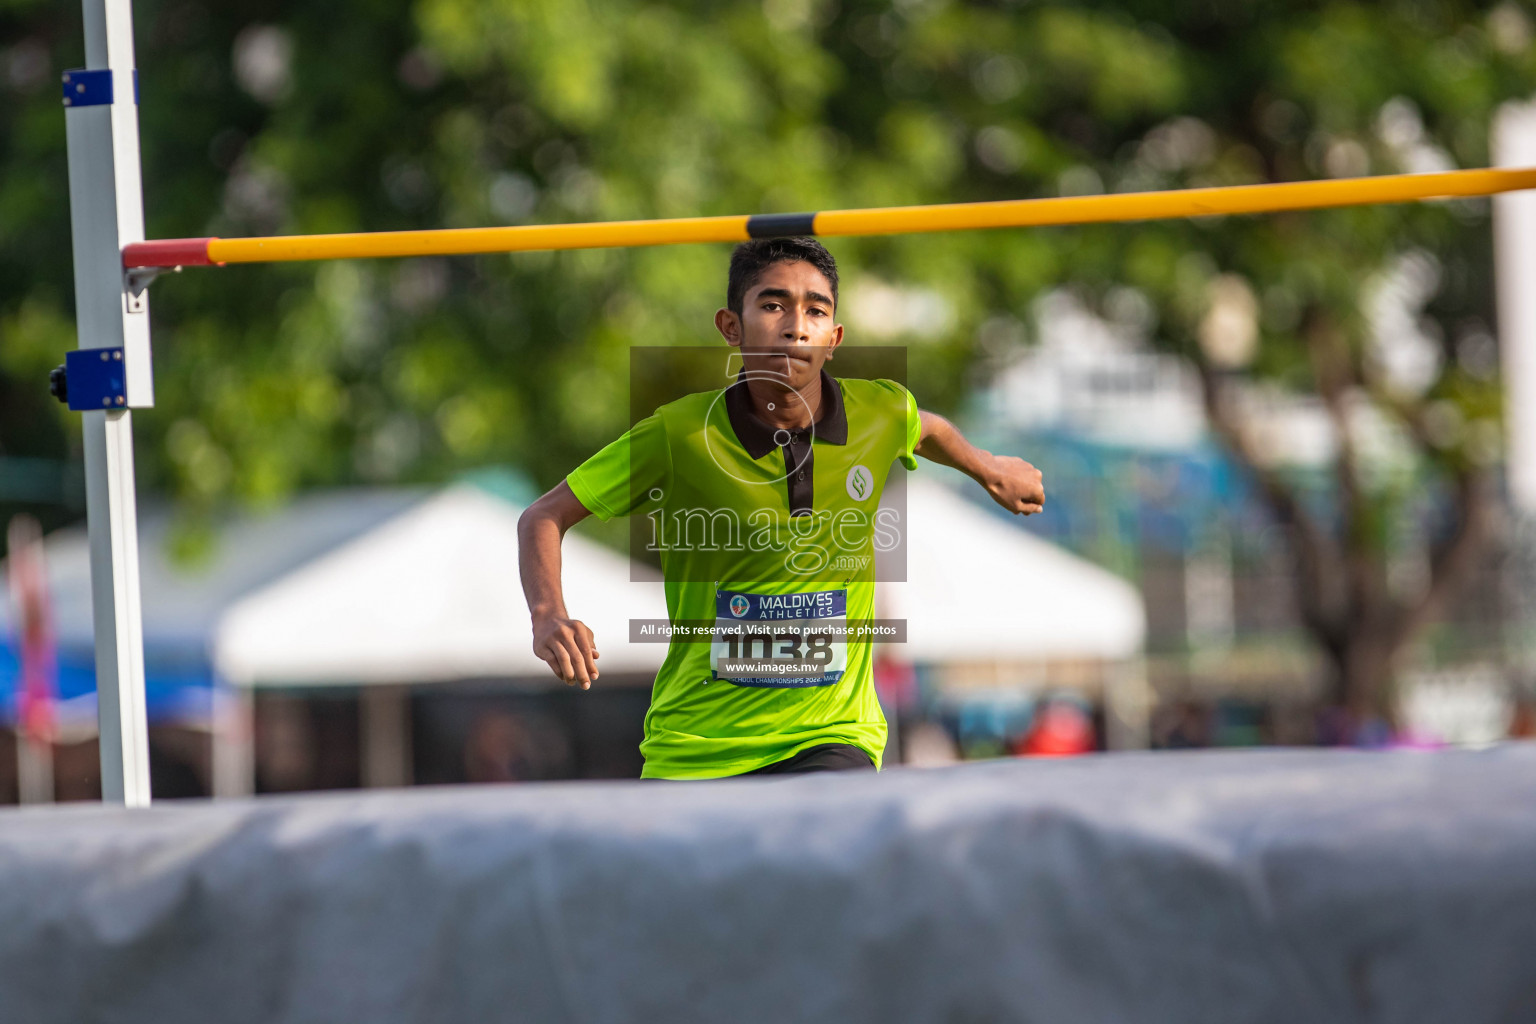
(781, 225)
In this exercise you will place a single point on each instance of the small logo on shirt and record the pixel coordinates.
(740, 606)
(861, 483)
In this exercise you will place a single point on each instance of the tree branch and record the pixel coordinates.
(1453, 560)
(1312, 547)
(1334, 373)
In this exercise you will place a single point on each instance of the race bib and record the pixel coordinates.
(780, 639)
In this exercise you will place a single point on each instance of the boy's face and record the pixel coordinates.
(787, 327)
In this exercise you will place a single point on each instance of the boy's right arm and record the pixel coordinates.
(566, 644)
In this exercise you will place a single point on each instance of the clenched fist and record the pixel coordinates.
(1016, 485)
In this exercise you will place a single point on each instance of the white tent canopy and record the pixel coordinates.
(980, 589)
(184, 599)
(357, 586)
(430, 595)
(397, 587)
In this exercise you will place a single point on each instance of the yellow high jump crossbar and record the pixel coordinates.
(895, 220)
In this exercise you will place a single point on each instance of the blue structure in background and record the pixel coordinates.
(1112, 504)
(177, 690)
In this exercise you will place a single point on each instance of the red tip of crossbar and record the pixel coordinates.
(172, 252)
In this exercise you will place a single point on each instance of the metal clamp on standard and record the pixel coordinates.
(84, 88)
(91, 379)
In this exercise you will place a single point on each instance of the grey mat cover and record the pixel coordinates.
(1303, 886)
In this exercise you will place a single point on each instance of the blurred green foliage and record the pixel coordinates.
(285, 117)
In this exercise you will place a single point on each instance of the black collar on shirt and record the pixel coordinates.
(757, 437)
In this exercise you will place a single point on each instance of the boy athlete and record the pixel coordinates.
(764, 505)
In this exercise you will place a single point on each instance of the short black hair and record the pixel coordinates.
(750, 259)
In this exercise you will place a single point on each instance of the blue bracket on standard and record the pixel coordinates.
(84, 88)
(95, 379)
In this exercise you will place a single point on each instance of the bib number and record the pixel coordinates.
(780, 640)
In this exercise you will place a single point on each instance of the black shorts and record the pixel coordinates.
(828, 757)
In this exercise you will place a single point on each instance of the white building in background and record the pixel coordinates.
(1096, 380)
(1100, 381)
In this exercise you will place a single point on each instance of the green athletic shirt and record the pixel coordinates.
(718, 486)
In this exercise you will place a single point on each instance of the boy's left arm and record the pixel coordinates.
(1012, 482)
